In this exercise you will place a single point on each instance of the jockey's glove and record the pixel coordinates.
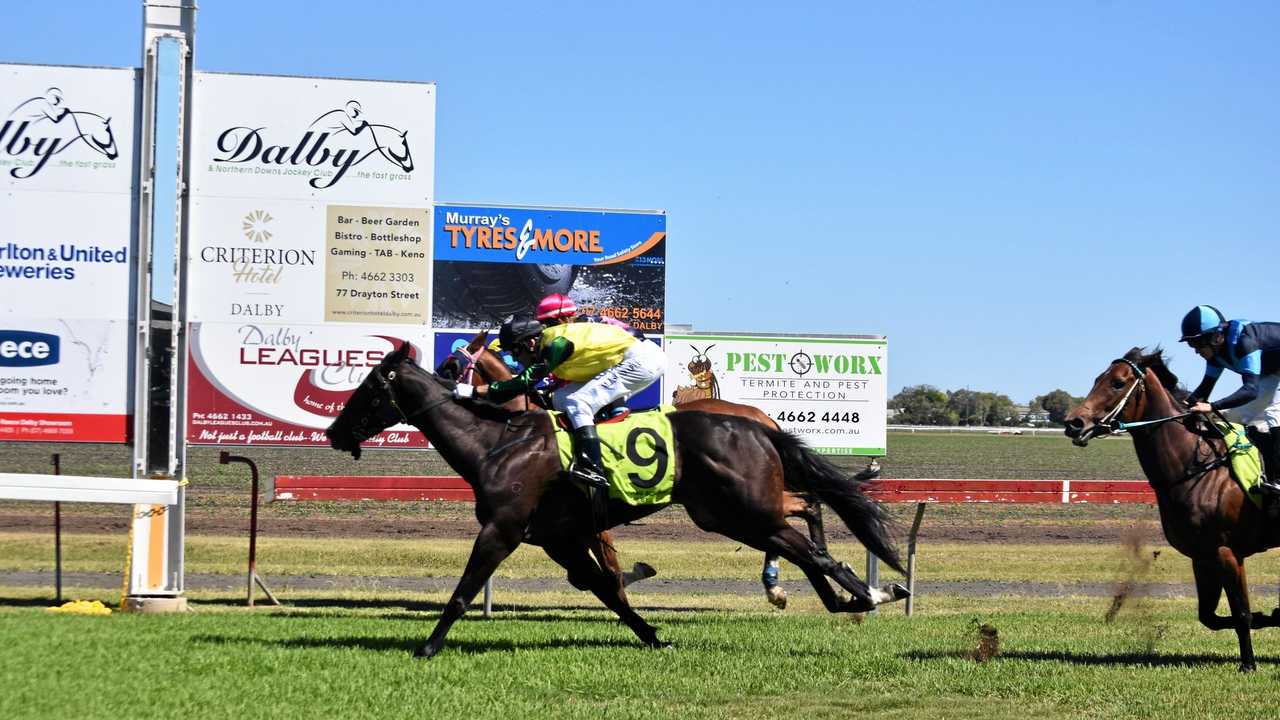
(462, 390)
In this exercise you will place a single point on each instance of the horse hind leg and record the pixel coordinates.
(818, 566)
(1237, 588)
(808, 509)
(1213, 574)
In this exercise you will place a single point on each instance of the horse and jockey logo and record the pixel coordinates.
(336, 141)
(44, 126)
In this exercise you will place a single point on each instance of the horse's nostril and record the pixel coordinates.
(1074, 425)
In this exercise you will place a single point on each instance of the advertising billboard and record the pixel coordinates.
(67, 194)
(492, 262)
(309, 249)
(829, 390)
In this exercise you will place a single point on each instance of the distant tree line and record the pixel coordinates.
(928, 405)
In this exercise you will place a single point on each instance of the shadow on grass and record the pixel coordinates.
(1141, 659)
(29, 602)
(509, 611)
(410, 645)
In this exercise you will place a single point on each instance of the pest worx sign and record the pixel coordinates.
(829, 390)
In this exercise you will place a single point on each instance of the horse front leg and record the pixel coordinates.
(585, 574)
(496, 541)
(606, 554)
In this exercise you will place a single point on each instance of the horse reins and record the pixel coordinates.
(1114, 425)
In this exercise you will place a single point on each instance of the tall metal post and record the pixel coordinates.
(157, 533)
(57, 535)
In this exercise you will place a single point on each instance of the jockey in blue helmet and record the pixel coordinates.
(1251, 349)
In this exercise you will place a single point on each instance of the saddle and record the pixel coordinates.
(638, 451)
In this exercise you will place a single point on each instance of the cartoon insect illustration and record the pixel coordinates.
(704, 385)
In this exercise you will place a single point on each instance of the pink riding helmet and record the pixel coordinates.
(556, 307)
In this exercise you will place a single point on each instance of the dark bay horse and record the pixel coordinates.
(463, 365)
(730, 477)
(475, 359)
(1204, 513)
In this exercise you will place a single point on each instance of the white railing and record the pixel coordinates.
(83, 488)
(975, 429)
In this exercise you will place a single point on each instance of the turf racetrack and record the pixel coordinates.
(551, 652)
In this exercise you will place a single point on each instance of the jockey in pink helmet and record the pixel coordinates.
(555, 309)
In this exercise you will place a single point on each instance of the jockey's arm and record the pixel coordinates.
(549, 358)
(1247, 393)
(1250, 369)
(1203, 390)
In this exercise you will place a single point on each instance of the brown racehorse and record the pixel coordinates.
(475, 358)
(1204, 513)
(730, 475)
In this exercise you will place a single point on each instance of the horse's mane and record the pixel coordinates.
(1155, 361)
(480, 408)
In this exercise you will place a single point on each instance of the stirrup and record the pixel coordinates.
(588, 475)
(1269, 487)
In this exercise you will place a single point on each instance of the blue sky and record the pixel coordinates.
(1014, 193)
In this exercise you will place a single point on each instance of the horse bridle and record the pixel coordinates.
(384, 384)
(1109, 421)
(470, 365)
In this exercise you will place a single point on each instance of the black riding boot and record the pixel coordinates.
(1269, 448)
(586, 466)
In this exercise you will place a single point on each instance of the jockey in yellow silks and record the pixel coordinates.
(600, 363)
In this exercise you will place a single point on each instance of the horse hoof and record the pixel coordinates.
(777, 597)
(892, 592)
(643, 571)
(661, 645)
(898, 592)
(426, 652)
(1248, 668)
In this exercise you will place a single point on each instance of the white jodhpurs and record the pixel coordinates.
(642, 364)
(1264, 412)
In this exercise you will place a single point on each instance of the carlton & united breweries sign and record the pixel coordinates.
(67, 150)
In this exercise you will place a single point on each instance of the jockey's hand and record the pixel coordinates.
(462, 390)
(1201, 407)
(482, 390)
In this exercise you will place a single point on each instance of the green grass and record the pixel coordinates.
(345, 659)
(714, 559)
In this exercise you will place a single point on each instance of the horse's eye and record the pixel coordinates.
(1117, 384)
(376, 401)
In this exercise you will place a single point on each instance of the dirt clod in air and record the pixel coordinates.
(1137, 566)
(986, 641)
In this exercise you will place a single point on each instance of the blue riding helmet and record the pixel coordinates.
(1201, 321)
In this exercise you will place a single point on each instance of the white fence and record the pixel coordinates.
(975, 429)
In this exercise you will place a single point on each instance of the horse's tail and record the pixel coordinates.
(806, 470)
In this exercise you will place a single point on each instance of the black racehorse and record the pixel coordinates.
(731, 475)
